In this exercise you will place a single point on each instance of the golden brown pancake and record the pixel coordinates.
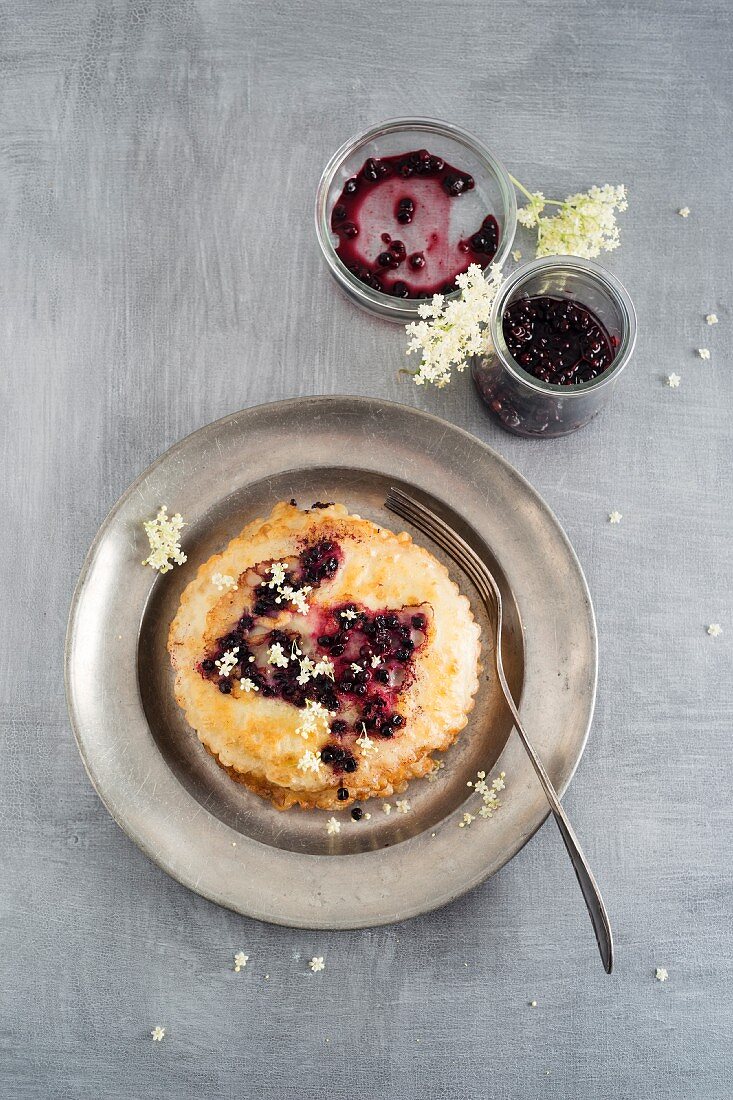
(323, 659)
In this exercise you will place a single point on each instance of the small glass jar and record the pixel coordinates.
(523, 404)
(493, 194)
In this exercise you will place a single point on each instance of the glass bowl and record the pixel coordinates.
(493, 194)
(521, 403)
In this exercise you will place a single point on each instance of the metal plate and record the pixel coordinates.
(217, 837)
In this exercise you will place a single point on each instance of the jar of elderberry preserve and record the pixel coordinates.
(562, 330)
(405, 207)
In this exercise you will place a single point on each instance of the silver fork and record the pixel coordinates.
(461, 553)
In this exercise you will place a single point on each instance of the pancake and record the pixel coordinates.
(323, 659)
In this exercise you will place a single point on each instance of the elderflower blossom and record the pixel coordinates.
(306, 669)
(324, 667)
(164, 536)
(449, 332)
(277, 572)
(529, 215)
(224, 582)
(490, 801)
(314, 716)
(309, 761)
(227, 661)
(585, 224)
(365, 742)
(276, 656)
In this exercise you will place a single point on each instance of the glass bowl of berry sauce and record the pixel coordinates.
(561, 331)
(408, 205)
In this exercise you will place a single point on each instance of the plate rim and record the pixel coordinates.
(142, 842)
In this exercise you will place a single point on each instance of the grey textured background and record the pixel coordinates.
(158, 269)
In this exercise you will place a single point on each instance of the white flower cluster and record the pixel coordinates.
(309, 669)
(224, 582)
(276, 656)
(365, 742)
(227, 661)
(309, 761)
(315, 715)
(164, 535)
(448, 333)
(585, 224)
(489, 797)
(286, 592)
(438, 766)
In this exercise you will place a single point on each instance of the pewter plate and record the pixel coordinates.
(214, 835)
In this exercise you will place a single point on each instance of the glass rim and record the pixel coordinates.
(386, 305)
(606, 281)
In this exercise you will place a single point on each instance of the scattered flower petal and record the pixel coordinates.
(333, 826)
(158, 1034)
(704, 353)
(317, 963)
(516, 255)
(673, 380)
(387, 807)
(712, 319)
(715, 630)
(403, 806)
(614, 517)
(661, 974)
(684, 212)
(240, 961)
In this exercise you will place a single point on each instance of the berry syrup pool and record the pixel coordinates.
(401, 228)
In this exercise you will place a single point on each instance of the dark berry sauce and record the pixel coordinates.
(392, 220)
(371, 653)
(557, 341)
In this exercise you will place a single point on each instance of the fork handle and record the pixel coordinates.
(586, 881)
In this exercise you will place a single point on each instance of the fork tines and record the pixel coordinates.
(444, 535)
